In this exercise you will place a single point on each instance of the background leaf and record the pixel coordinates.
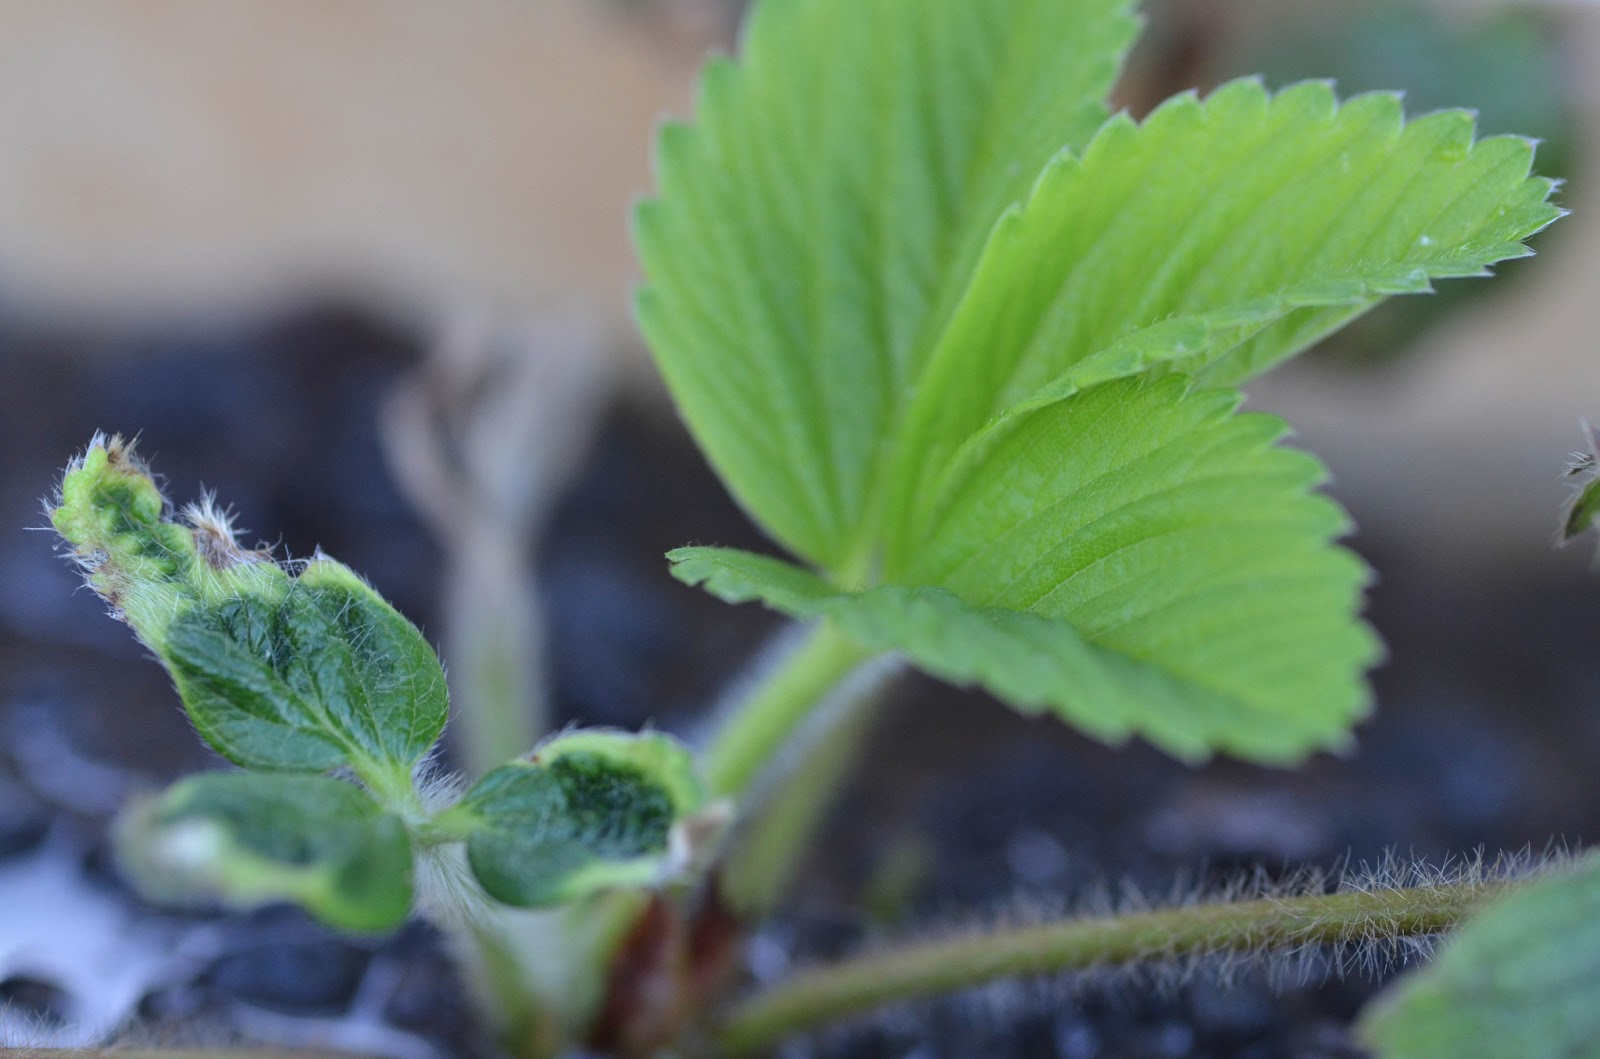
(250, 838)
(1137, 559)
(588, 811)
(1256, 223)
(1520, 979)
(816, 227)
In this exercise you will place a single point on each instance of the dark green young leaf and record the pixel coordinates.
(817, 226)
(251, 839)
(1138, 559)
(1218, 238)
(325, 671)
(1521, 979)
(588, 811)
(277, 672)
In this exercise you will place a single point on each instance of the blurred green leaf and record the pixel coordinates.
(1521, 979)
(250, 838)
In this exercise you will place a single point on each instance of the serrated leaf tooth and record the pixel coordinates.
(1175, 112)
(1407, 281)
(1242, 95)
(647, 222)
(1113, 133)
(1383, 109)
(1310, 101)
(1451, 131)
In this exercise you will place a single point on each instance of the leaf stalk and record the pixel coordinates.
(752, 737)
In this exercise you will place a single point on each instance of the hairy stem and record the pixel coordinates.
(828, 994)
(754, 735)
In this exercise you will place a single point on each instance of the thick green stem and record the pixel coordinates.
(785, 697)
(827, 994)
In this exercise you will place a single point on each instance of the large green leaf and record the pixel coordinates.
(252, 838)
(1138, 559)
(587, 811)
(817, 226)
(1221, 237)
(1521, 979)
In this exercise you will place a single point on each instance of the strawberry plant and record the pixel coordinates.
(968, 348)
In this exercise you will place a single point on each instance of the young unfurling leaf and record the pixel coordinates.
(279, 671)
(587, 811)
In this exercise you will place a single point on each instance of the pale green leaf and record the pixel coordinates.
(1521, 979)
(587, 811)
(250, 838)
(816, 227)
(1219, 237)
(1138, 559)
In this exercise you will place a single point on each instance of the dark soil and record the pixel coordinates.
(1484, 736)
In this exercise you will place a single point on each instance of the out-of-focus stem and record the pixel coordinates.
(770, 844)
(753, 736)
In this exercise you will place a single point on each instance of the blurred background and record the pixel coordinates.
(363, 269)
